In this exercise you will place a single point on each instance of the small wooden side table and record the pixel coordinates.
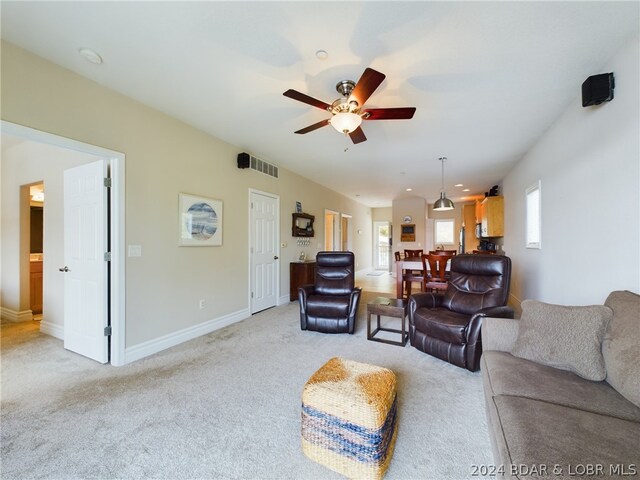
(387, 307)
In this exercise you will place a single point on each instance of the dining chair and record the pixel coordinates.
(436, 279)
(413, 276)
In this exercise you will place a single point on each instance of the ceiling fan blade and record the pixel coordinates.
(357, 136)
(402, 113)
(313, 127)
(369, 81)
(301, 97)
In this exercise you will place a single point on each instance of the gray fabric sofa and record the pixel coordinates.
(546, 421)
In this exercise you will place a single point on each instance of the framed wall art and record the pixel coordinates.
(200, 221)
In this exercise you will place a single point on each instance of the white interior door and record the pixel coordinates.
(85, 269)
(264, 251)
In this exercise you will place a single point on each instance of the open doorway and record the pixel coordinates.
(331, 231)
(32, 157)
(345, 232)
(381, 245)
(36, 242)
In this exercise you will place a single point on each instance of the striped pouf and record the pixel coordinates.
(349, 418)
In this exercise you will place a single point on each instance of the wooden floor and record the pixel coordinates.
(384, 283)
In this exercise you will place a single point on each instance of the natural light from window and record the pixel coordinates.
(444, 232)
(533, 216)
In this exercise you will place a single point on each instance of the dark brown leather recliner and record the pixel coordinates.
(330, 305)
(448, 326)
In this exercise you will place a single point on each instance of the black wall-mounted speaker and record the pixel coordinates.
(597, 89)
(244, 160)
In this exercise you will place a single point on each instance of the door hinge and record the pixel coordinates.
(107, 182)
(107, 331)
(251, 294)
(107, 256)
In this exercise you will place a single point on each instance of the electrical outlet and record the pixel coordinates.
(201, 304)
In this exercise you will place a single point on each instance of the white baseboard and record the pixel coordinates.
(283, 300)
(15, 316)
(52, 329)
(156, 345)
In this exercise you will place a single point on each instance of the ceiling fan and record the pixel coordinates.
(347, 112)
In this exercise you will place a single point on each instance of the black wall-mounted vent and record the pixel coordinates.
(249, 161)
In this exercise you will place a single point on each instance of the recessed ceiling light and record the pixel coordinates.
(465, 189)
(90, 55)
(322, 54)
(458, 185)
(409, 189)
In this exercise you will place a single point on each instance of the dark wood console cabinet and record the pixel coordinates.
(300, 273)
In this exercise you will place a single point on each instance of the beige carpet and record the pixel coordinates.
(223, 406)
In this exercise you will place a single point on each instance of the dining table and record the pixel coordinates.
(407, 263)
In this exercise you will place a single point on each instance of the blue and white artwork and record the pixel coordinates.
(200, 221)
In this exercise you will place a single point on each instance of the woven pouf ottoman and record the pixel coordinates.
(349, 418)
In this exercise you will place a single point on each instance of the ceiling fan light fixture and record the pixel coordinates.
(345, 122)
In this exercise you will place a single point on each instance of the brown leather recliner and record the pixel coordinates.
(448, 326)
(330, 305)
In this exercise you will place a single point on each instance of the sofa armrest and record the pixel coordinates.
(499, 333)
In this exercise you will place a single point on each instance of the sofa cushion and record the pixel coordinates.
(541, 434)
(569, 338)
(504, 374)
(621, 345)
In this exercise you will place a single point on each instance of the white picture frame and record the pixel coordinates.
(200, 221)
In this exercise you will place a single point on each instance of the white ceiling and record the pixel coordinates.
(487, 78)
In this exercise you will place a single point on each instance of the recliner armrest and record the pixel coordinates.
(428, 300)
(303, 292)
(499, 333)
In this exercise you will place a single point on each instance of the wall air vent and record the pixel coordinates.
(264, 167)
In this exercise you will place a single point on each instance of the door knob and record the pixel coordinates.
(275, 257)
(65, 269)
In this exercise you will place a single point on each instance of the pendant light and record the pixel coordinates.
(443, 203)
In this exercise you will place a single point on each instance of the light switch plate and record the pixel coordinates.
(135, 250)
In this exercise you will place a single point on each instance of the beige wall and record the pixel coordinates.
(163, 158)
(587, 163)
(384, 214)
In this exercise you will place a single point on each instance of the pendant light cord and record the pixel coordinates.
(442, 159)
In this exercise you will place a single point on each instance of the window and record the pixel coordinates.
(533, 235)
(444, 230)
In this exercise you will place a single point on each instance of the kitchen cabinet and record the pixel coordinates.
(469, 219)
(300, 273)
(35, 285)
(492, 219)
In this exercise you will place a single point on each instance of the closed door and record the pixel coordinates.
(264, 251)
(85, 269)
